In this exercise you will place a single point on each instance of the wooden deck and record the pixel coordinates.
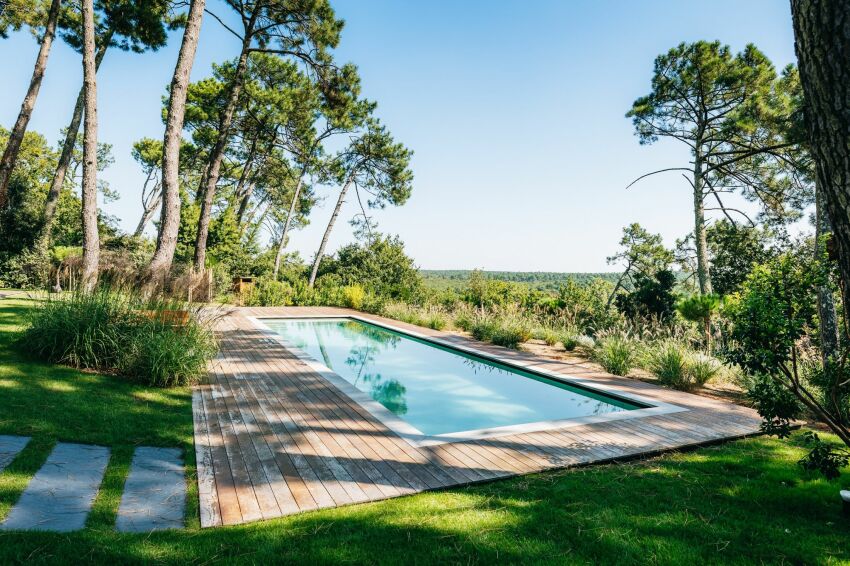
(273, 437)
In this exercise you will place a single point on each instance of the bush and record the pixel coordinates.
(680, 368)
(548, 335)
(269, 293)
(702, 368)
(669, 362)
(616, 354)
(584, 342)
(352, 296)
(119, 333)
(510, 335)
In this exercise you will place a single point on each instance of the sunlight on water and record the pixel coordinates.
(437, 390)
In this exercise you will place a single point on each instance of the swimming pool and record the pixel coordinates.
(435, 389)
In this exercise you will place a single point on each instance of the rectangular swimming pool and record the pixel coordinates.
(436, 389)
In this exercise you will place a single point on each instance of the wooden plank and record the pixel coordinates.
(224, 483)
(210, 513)
(248, 505)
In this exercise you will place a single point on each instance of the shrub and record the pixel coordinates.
(483, 328)
(616, 354)
(702, 368)
(669, 362)
(584, 342)
(510, 335)
(269, 293)
(463, 320)
(117, 332)
(569, 340)
(352, 296)
(680, 368)
(548, 335)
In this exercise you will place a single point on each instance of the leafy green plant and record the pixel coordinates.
(267, 292)
(353, 296)
(700, 308)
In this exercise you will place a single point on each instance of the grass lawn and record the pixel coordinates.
(742, 502)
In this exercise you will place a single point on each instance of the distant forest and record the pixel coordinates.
(454, 278)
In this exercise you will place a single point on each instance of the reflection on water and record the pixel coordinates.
(437, 390)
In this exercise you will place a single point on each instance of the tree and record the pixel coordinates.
(769, 325)
(652, 296)
(733, 252)
(169, 224)
(700, 308)
(381, 266)
(641, 254)
(91, 239)
(16, 137)
(822, 42)
(148, 153)
(303, 31)
(722, 108)
(376, 164)
(338, 111)
(125, 24)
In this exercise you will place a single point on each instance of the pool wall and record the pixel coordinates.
(415, 437)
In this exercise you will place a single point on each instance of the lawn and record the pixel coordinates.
(742, 502)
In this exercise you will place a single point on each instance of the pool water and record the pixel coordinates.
(435, 389)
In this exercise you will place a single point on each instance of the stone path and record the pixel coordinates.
(9, 448)
(155, 492)
(60, 495)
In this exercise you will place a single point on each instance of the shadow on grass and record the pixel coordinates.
(739, 503)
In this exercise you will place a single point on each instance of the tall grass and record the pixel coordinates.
(429, 317)
(616, 353)
(677, 366)
(146, 340)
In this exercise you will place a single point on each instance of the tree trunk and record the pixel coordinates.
(327, 235)
(91, 239)
(169, 221)
(147, 214)
(282, 244)
(822, 42)
(16, 136)
(67, 152)
(700, 239)
(828, 321)
(244, 195)
(618, 286)
(217, 154)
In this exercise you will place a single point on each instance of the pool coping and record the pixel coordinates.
(417, 438)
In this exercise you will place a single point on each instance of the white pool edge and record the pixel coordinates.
(417, 438)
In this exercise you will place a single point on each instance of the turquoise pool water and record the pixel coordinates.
(435, 389)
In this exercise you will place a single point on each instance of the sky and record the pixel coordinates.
(515, 111)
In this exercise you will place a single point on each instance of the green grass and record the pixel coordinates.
(744, 502)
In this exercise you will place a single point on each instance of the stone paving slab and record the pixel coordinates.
(155, 492)
(61, 493)
(9, 448)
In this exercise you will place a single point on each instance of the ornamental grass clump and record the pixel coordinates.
(677, 366)
(155, 342)
(668, 361)
(616, 354)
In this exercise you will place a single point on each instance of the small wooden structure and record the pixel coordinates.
(241, 287)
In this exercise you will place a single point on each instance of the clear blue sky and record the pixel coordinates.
(515, 111)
